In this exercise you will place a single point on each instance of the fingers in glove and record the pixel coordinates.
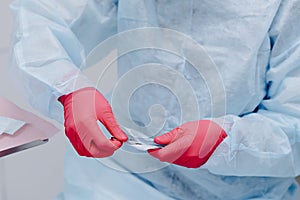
(110, 123)
(169, 137)
(95, 141)
(172, 151)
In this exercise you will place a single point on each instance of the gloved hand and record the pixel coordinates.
(82, 109)
(189, 145)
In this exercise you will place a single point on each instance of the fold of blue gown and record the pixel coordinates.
(254, 47)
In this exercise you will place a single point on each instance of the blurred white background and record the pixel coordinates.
(37, 173)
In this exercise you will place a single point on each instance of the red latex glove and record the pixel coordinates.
(82, 109)
(189, 145)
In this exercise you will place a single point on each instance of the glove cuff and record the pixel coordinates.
(62, 99)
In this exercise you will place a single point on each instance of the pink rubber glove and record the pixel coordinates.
(82, 109)
(189, 145)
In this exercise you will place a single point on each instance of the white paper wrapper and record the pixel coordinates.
(9, 125)
(138, 141)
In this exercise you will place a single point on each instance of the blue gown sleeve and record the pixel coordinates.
(50, 42)
(267, 142)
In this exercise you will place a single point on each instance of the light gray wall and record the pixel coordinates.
(37, 173)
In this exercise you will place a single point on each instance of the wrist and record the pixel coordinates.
(62, 99)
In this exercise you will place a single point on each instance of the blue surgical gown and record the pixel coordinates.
(255, 46)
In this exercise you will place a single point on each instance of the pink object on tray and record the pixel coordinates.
(36, 130)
